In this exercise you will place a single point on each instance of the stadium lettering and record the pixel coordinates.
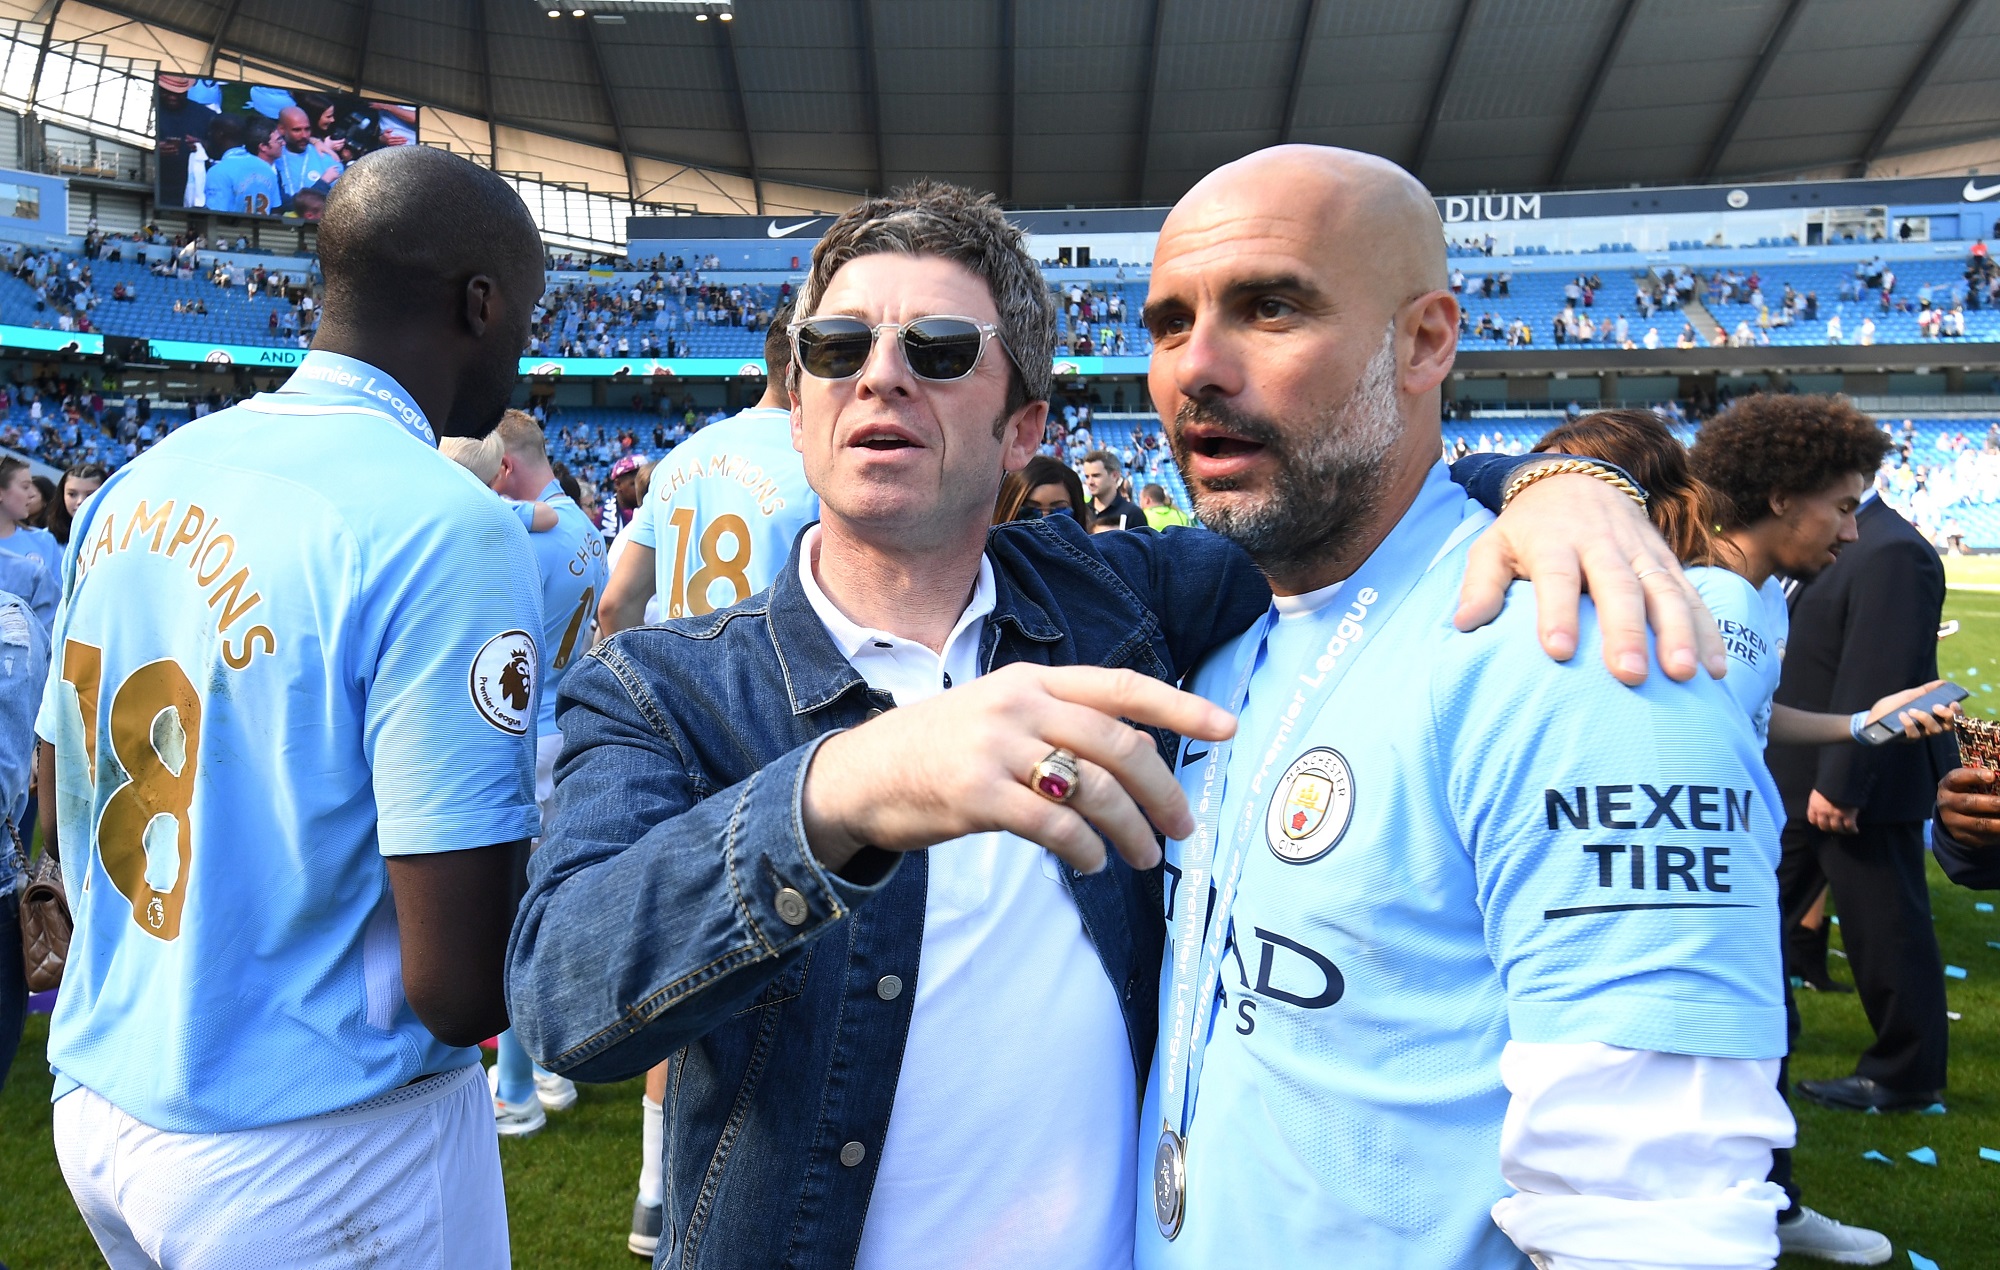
(210, 554)
(1673, 868)
(1489, 207)
(1708, 808)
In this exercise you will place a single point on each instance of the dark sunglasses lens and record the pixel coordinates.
(941, 348)
(835, 349)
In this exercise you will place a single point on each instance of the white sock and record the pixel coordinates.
(653, 1143)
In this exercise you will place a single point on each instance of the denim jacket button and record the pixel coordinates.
(874, 712)
(852, 1154)
(791, 907)
(889, 987)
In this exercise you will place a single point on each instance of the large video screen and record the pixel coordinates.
(257, 150)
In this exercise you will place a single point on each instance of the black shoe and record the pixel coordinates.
(1858, 1093)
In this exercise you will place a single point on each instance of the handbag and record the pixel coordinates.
(45, 919)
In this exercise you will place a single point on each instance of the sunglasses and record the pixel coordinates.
(940, 348)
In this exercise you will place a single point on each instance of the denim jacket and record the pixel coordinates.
(675, 911)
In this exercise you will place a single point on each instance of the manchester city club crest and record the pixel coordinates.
(1311, 807)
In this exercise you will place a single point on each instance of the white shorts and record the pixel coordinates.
(410, 1180)
(546, 749)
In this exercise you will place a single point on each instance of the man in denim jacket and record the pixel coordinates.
(887, 1061)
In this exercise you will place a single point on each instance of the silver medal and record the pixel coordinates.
(1169, 1183)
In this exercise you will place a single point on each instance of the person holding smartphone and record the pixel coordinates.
(1741, 570)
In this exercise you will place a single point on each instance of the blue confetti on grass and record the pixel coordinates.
(1935, 1109)
(1878, 1157)
(1980, 906)
(1834, 920)
(1993, 943)
(1954, 972)
(1920, 1262)
(1989, 1155)
(1923, 1155)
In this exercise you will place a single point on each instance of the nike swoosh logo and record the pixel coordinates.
(1973, 194)
(1193, 756)
(774, 231)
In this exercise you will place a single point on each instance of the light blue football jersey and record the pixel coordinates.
(294, 639)
(241, 182)
(1469, 843)
(722, 511)
(1754, 623)
(572, 563)
(304, 169)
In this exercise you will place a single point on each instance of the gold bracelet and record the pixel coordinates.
(1573, 467)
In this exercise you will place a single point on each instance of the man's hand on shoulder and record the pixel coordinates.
(1571, 533)
(1969, 805)
(959, 764)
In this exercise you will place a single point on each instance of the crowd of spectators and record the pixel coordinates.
(1936, 481)
(647, 317)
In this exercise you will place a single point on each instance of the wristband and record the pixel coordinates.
(1610, 475)
(1854, 726)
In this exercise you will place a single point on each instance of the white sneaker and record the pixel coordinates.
(1817, 1235)
(557, 1093)
(514, 1119)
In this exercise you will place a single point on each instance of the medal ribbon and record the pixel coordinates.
(331, 383)
(1382, 583)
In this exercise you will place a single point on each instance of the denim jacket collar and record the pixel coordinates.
(817, 674)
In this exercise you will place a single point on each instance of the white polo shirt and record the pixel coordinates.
(1012, 1140)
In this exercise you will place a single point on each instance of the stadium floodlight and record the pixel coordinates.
(724, 9)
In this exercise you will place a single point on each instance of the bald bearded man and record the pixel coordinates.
(302, 164)
(1472, 954)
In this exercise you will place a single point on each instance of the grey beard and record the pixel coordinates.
(1329, 483)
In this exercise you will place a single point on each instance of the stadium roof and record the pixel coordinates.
(1100, 102)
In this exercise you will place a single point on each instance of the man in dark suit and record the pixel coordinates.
(1865, 627)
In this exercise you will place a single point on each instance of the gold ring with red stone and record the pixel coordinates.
(1055, 777)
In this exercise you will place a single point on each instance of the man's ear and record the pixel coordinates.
(482, 303)
(1021, 435)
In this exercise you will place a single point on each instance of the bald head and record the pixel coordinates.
(1376, 220)
(1302, 323)
(406, 227)
(297, 127)
(432, 268)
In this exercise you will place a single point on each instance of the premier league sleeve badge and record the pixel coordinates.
(1311, 807)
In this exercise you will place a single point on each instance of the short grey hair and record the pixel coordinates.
(934, 218)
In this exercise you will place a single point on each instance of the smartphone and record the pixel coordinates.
(1882, 731)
